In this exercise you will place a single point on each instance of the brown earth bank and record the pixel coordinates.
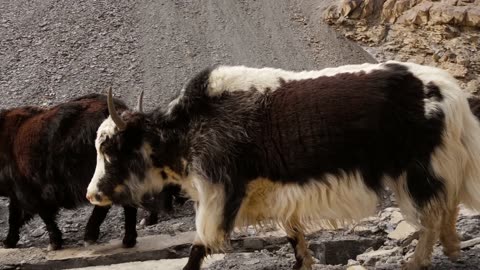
(52, 50)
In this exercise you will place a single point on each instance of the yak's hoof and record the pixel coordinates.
(54, 246)
(453, 256)
(301, 266)
(9, 243)
(91, 236)
(151, 221)
(129, 241)
(87, 243)
(415, 266)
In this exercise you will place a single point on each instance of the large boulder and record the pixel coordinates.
(419, 14)
(392, 9)
(442, 13)
(473, 17)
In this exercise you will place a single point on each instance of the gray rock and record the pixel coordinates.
(470, 243)
(318, 251)
(253, 243)
(370, 258)
(38, 232)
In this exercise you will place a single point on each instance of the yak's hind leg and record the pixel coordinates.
(448, 234)
(427, 193)
(304, 260)
(422, 197)
(428, 236)
(17, 217)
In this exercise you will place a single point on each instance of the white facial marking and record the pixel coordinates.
(106, 129)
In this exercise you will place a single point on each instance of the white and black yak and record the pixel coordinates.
(303, 150)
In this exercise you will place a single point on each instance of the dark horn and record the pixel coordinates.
(140, 103)
(113, 112)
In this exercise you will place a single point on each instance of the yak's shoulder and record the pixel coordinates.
(198, 85)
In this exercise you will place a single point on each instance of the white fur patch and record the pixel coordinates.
(334, 201)
(209, 214)
(338, 200)
(402, 196)
(106, 129)
(446, 83)
(98, 174)
(457, 160)
(241, 78)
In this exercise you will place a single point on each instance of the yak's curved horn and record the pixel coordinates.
(140, 103)
(113, 113)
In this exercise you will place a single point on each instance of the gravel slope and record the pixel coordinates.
(51, 50)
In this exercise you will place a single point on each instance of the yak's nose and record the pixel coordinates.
(98, 199)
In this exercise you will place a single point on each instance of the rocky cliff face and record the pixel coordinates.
(439, 33)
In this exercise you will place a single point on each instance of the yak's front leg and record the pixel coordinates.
(130, 237)
(92, 230)
(17, 217)
(215, 218)
(48, 215)
(198, 251)
(429, 233)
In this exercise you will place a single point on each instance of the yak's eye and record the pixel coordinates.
(104, 151)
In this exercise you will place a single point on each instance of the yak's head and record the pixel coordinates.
(127, 167)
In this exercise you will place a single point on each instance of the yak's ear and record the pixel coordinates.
(131, 137)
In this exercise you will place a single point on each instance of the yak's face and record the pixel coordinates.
(132, 157)
(124, 172)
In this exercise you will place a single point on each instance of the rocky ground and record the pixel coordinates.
(72, 224)
(52, 50)
(391, 242)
